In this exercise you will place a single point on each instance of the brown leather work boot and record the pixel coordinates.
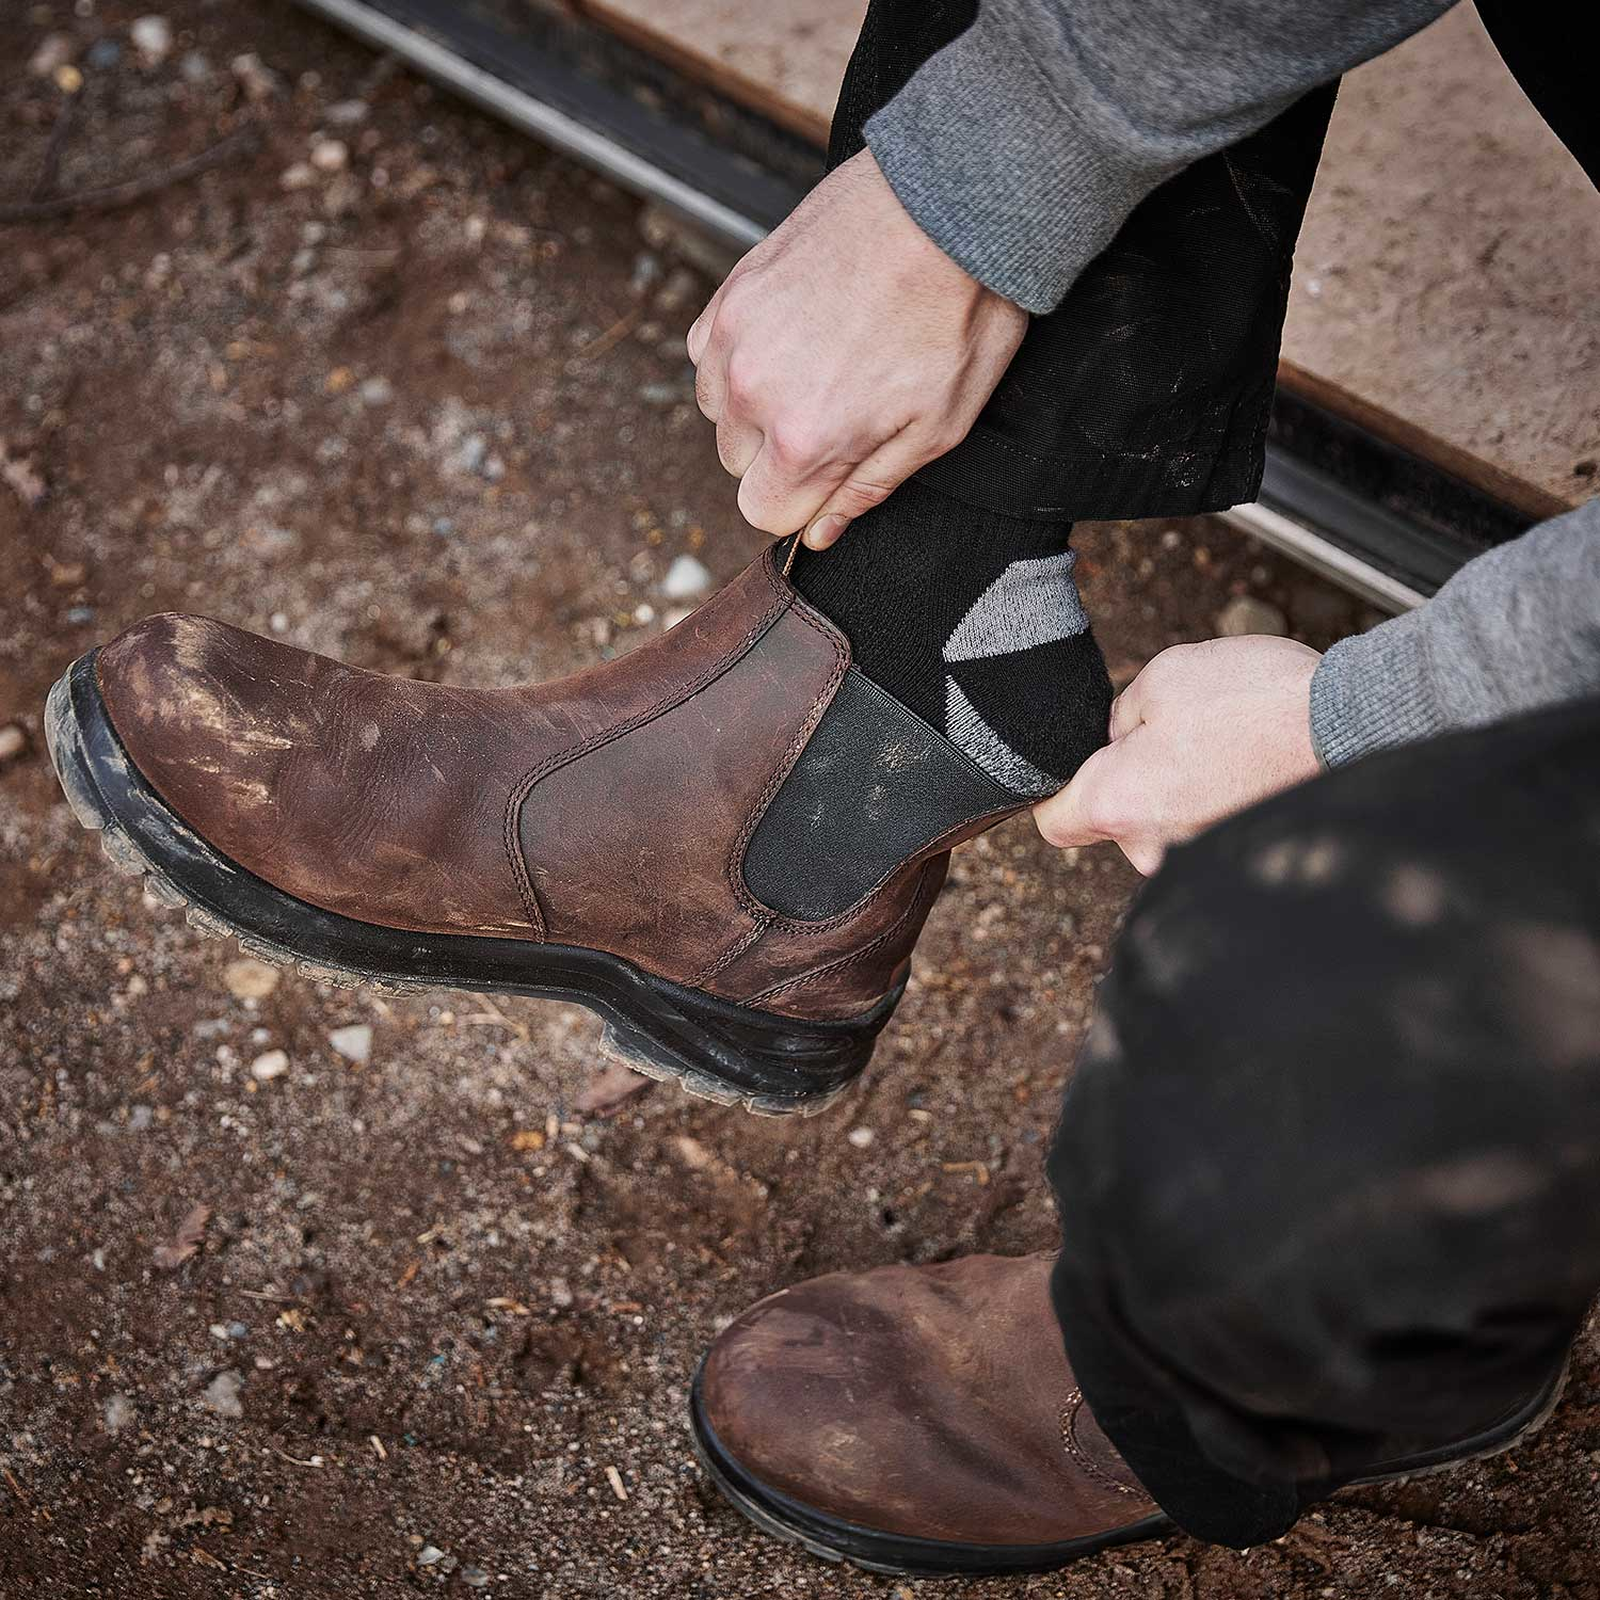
(925, 1420)
(915, 1420)
(725, 843)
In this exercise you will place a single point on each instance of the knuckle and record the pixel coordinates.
(795, 445)
(858, 495)
(743, 382)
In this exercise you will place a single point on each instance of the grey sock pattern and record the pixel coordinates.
(1031, 603)
(976, 740)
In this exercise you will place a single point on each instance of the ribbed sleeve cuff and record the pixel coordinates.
(1006, 185)
(1374, 692)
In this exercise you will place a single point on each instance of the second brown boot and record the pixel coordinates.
(927, 1420)
(725, 843)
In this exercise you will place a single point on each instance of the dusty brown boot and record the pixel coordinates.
(916, 1420)
(725, 843)
(926, 1420)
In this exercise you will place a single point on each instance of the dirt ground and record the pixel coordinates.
(425, 408)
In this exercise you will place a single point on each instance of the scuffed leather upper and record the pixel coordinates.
(935, 1402)
(609, 809)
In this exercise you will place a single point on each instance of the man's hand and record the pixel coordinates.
(842, 353)
(1204, 731)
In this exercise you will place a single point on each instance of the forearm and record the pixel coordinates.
(1514, 630)
(1022, 147)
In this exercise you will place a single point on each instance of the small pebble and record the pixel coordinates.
(646, 274)
(475, 1577)
(299, 176)
(222, 1395)
(330, 155)
(354, 1043)
(13, 742)
(258, 81)
(342, 197)
(194, 67)
(55, 51)
(376, 392)
(1244, 614)
(346, 113)
(429, 1555)
(269, 1065)
(152, 38)
(861, 1138)
(118, 1412)
(680, 286)
(685, 579)
(249, 979)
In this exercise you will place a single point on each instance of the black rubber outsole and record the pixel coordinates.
(719, 1051)
(898, 1555)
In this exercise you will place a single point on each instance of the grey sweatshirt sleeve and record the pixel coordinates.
(1514, 630)
(1022, 146)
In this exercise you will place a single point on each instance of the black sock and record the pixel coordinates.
(972, 620)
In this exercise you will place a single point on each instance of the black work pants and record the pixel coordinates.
(1328, 1170)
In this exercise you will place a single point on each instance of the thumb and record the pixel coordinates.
(866, 485)
(1074, 816)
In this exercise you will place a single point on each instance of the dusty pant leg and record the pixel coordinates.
(1146, 392)
(1328, 1170)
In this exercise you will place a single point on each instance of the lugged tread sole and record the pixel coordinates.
(713, 1049)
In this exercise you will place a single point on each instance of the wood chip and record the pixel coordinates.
(612, 1089)
(614, 1478)
(183, 1244)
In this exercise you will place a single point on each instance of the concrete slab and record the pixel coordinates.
(1445, 286)
(785, 60)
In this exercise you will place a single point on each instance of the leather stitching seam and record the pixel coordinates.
(732, 953)
(1091, 1469)
(920, 901)
(735, 865)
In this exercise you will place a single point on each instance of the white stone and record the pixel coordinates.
(268, 1065)
(299, 176)
(222, 1395)
(249, 979)
(330, 155)
(152, 38)
(354, 1042)
(685, 579)
(861, 1138)
(54, 52)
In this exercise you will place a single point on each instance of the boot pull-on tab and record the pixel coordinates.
(794, 550)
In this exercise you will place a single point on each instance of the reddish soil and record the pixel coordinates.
(452, 1299)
